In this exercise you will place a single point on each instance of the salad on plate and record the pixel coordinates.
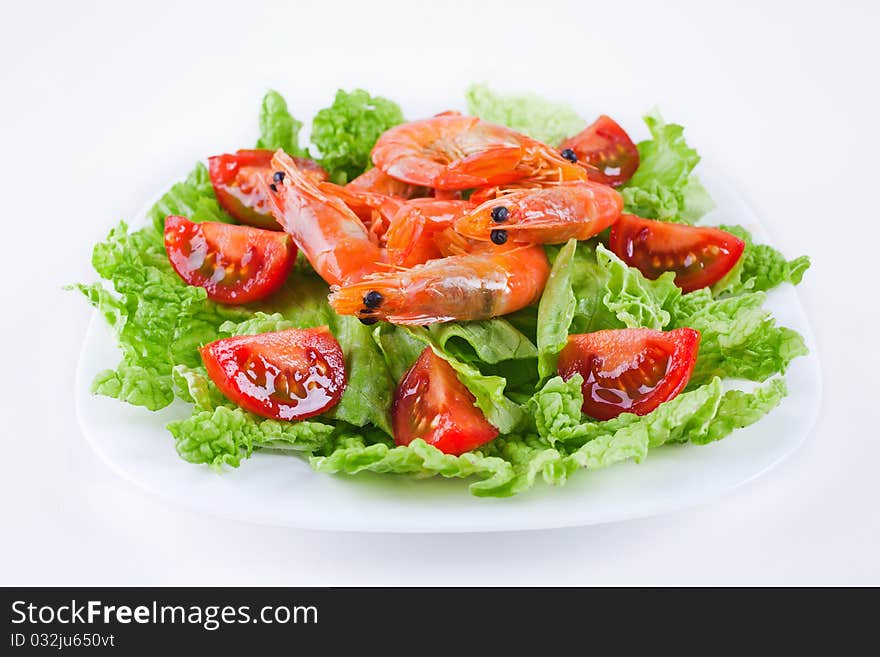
(506, 296)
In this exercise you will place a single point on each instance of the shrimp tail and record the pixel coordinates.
(478, 169)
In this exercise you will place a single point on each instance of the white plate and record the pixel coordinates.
(282, 490)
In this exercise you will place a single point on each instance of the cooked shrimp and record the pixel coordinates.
(377, 181)
(373, 208)
(486, 283)
(332, 237)
(453, 152)
(410, 239)
(548, 215)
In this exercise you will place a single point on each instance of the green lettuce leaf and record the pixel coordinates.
(257, 323)
(278, 129)
(512, 464)
(664, 187)
(193, 384)
(636, 301)
(369, 391)
(608, 294)
(739, 338)
(352, 455)
(740, 409)
(685, 415)
(665, 158)
(556, 409)
(686, 204)
(399, 348)
(501, 412)
(488, 341)
(224, 436)
(139, 386)
(192, 198)
(556, 310)
(529, 114)
(345, 132)
(302, 303)
(488, 389)
(701, 415)
(159, 321)
(761, 267)
(589, 283)
(530, 458)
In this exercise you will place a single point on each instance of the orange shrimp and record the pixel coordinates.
(548, 215)
(373, 208)
(410, 239)
(377, 181)
(332, 237)
(485, 283)
(452, 152)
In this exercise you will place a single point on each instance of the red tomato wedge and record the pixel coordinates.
(629, 370)
(286, 375)
(605, 151)
(241, 181)
(235, 264)
(699, 255)
(432, 404)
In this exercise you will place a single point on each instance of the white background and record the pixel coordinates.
(101, 102)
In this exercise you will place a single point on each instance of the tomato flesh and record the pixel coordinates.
(286, 375)
(629, 370)
(699, 255)
(241, 182)
(235, 264)
(432, 404)
(605, 150)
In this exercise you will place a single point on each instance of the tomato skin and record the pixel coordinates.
(235, 264)
(605, 150)
(629, 370)
(700, 256)
(241, 182)
(432, 404)
(285, 375)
